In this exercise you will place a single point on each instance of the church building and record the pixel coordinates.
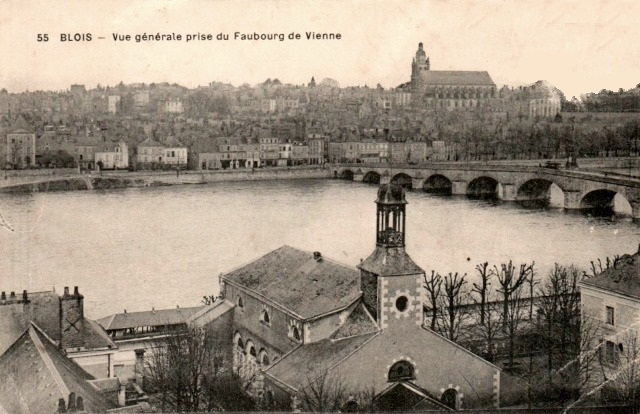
(301, 319)
(448, 89)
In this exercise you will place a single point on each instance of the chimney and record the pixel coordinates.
(317, 256)
(71, 319)
(13, 295)
(4, 296)
(24, 296)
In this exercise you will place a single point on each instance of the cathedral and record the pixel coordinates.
(301, 320)
(447, 89)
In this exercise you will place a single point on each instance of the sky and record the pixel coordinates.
(577, 46)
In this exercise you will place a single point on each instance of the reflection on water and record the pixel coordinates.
(166, 246)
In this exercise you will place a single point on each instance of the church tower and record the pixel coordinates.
(390, 281)
(419, 65)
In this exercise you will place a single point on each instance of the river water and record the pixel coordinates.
(160, 247)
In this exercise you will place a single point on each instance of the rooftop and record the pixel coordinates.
(305, 283)
(390, 262)
(624, 278)
(456, 77)
(36, 375)
(161, 317)
(310, 361)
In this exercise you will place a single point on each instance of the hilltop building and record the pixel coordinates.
(448, 89)
(299, 317)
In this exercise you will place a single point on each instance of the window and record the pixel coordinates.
(610, 353)
(294, 333)
(401, 371)
(401, 303)
(610, 316)
(240, 304)
(264, 317)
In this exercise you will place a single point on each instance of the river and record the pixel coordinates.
(160, 247)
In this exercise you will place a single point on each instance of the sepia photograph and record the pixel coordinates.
(320, 206)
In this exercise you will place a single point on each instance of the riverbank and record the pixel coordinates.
(69, 181)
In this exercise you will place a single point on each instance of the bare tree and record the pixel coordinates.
(433, 285)
(452, 298)
(187, 372)
(482, 289)
(489, 328)
(511, 281)
(324, 393)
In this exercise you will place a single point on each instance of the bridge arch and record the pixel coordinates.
(540, 192)
(346, 175)
(483, 187)
(371, 177)
(403, 180)
(438, 184)
(605, 202)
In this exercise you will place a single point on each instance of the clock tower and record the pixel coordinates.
(390, 281)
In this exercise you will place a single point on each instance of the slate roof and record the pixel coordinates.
(390, 262)
(309, 361)
(161, 317)
(623, 279)
(36, 375)
(358, 322)
(456, 77)
(293, 279)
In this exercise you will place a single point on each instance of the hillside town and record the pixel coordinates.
(434, 116)
(295, 330)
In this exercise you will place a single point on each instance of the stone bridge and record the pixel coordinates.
(582, 189)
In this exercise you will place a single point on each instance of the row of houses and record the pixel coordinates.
(23, 150)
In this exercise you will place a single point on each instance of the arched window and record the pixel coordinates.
(252, 351)
(264, 317)
(450, 398)
(240, 304)
(263, 357)
(240, 344)
(294, 333)
(401, 371)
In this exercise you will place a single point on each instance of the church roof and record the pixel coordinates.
(456, 78)
(310, 361)
(390, 262)
(304, 283)
(36, 375)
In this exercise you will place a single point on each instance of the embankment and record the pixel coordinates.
(121, 179)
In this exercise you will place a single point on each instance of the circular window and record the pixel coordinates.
(401, 303)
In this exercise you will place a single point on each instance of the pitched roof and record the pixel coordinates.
(150, 143)
(390, 262)
(358, 322)
(161, 317)
(298, 282)
(310, 361)
(456, 77)
(36, 375)
(624, 278)
(407, 396)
